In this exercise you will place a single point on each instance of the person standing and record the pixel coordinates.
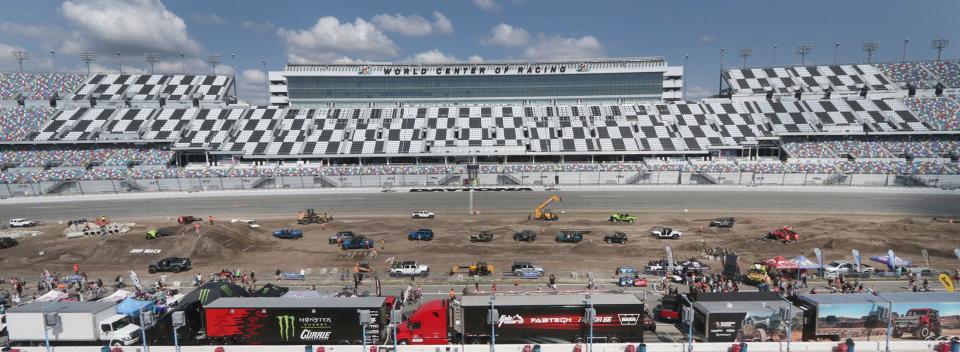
(76, 268)
(476, 283)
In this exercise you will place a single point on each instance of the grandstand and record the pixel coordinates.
(900, 120)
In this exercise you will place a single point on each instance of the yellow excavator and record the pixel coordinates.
(541, 213)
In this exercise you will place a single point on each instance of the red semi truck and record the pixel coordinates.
(526, 319)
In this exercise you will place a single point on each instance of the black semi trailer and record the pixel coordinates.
(297, 321)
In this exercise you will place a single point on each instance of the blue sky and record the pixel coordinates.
(440, 31)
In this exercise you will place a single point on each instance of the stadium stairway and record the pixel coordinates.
(637, 177)
(133, 185)
(325, 181)
(58, 186)
(449, 179)
(910, 181)
(702, 178)
(262, 182)
(835, 179)
(507, 179)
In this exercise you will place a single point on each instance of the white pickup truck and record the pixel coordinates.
(409, 268)
(665, 232)
(22, 223)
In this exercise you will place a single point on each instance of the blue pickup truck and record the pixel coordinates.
(420, 235)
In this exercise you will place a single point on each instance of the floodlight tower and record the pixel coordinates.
(213, 60)
(20, 56)
(870, 47)
(939, 45)
(152, 59)
(88, 57)
(803, 51)
(745, 53)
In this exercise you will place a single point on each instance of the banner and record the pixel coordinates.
(669, 261)
(946, 281)
(856, 259)
(891, 260)
(926, 257)
(816, 251)
(135, 280)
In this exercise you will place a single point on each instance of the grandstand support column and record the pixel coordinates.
(904, 57)
(720, 84)
(221, 183)
(805, 174)
(179, 185)
(79, 186)
(8, 189)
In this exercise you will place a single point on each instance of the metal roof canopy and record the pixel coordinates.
(285, 302)
(550, 300)
(63, 307)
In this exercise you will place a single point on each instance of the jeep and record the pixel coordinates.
(173, 264)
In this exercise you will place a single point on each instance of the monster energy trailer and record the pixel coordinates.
(553, 319)
(296, 321)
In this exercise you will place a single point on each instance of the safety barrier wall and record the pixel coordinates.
(546, 178)
(898, 346)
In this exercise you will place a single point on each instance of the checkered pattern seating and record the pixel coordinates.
(169, 123)
(74, 125)
(153, 87)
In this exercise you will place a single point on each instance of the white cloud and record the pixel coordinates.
(5, 52)
(506, 35)
(252, 86)
(32, 30)
(557, 47)
(441, 23)
(475, 58)
(259, 27)
(488, 5)
(697, 93)
(413, 25)
(707, 38)
(134, 26)
(431, 57)
(207, 18)
(329, 39)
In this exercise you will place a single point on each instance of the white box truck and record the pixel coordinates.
(76, 323)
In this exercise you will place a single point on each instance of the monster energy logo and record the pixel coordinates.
(226, 290)
(204, 293)
(287, 324)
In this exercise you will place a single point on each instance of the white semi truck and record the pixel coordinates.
(74, 323)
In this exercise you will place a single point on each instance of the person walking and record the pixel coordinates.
(476, 283)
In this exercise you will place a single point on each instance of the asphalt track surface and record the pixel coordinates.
(838, 201)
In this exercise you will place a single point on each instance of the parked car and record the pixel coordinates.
(19, 222)
(422, 214)
(665, 232)
(482, 236)
(288, 233)
(615, 237)
(356, 242)
(569, 237)
(519, 267)
(723, 222)
(632, 281)
(409, 268)
(172, 264)
(525, 236)
(626, 269)
(420, 235)
(847, 267)
(340, 236)
(7, 242)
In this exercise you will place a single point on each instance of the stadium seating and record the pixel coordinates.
(947, 71)
(16, 123)
(907, 72)
(37, 86)
(207, 88)
(939, 112)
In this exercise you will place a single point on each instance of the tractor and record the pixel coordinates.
(309, 216)
(478, 268)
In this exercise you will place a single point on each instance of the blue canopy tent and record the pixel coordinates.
(885, 260)
(132, 307)
(804, 263)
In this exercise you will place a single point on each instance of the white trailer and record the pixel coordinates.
(77, 323)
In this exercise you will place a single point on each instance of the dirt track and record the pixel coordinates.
(231, 246)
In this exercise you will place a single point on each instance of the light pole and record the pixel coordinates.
(53, 56)
(889, 319)
(51, 320)
(213, 60)
(152, 59)
(179, 319)
(904, 57)
(836, 52)
(88, 57)
(685, 57)
(689, 323)
(183, 64)
(803, 50)
(870, 47)
(939, 45)
(493, 317)
(20, 56)
(774, 55)
(720, 85)
(591, 315)
(745, 53)
(119, 64)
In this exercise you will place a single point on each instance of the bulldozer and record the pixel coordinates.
(541, 213)
(478, 268)
(309, 216)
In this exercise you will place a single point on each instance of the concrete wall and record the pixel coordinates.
(539, 178)
(899, 346)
